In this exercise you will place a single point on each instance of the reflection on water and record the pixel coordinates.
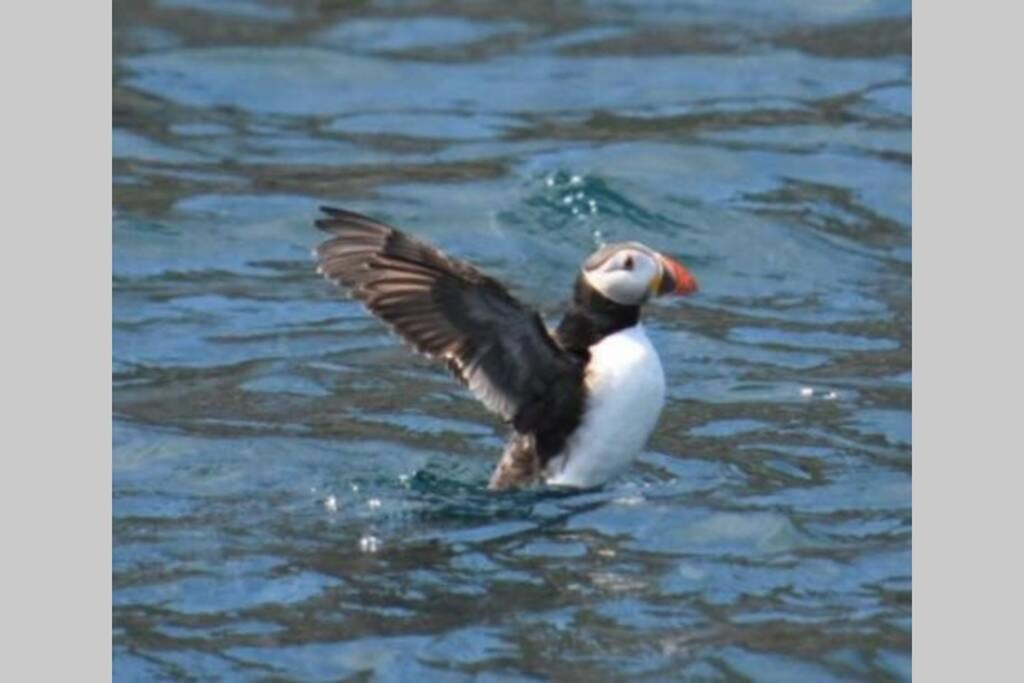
(297, 497)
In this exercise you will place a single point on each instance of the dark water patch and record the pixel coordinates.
(876, 38)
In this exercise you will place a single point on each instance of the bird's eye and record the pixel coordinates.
(628, 262)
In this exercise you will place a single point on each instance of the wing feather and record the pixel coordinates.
(450, 311)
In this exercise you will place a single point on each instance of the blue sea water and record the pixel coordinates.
(296, 497)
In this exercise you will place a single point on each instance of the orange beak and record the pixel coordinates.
(675, 278)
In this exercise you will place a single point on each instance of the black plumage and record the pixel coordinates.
(592, 317)
(448, 310)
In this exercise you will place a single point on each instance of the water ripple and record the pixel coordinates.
(298, 497)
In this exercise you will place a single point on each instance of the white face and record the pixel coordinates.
(624, 273)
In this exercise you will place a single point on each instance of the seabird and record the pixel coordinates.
(581, 400)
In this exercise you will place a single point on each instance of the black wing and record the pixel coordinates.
(449, 310)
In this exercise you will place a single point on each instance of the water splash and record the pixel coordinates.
(369, 544)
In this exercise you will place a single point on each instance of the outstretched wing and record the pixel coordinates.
(449, 310)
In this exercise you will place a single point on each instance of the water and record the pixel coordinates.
(298, 498)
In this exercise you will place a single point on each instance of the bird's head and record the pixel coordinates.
(629, 273)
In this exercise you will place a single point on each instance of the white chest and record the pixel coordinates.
(626, 392)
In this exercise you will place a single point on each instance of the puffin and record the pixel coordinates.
(581, 400)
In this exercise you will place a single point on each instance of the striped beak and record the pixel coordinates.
(675, 278)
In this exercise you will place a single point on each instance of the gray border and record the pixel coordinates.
(57, 342)
(966, 322)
